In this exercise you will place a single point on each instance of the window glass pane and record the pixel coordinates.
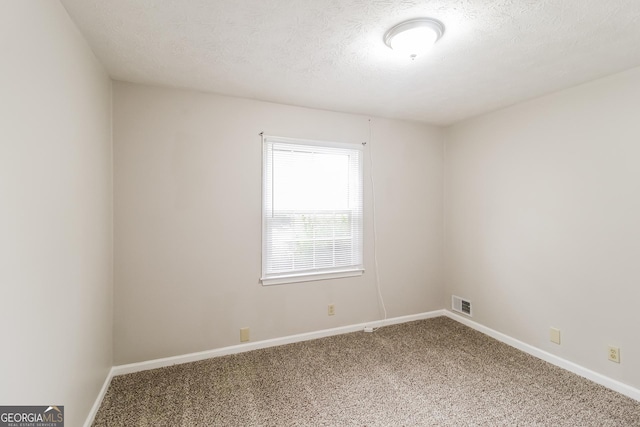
(310, 181)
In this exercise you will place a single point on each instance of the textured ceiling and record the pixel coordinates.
(329, 54)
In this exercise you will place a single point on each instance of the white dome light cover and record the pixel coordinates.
(414, 36)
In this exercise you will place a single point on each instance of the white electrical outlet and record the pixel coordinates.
(244, 334)
(554, 335)
(614, 354)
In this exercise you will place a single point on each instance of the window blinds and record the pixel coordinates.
(312, 210)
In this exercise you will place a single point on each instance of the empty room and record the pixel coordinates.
(327, 212)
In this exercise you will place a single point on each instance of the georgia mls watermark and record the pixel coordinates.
(31, 416)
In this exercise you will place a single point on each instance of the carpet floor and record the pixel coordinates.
(434, 372)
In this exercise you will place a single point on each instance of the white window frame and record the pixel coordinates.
(357, 232)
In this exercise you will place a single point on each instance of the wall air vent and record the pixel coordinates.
(461, 305)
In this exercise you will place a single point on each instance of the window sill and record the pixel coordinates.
(309, 277)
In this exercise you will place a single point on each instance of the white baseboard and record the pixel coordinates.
(603, 380)
(241, 348)
(98, 402)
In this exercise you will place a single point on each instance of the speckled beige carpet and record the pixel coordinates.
(433, 372)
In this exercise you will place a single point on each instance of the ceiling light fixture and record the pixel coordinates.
(414, 36)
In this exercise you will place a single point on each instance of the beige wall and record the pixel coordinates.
(55, 212)
(188, 222)
(543, 221)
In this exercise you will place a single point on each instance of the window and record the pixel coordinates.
(312, 218)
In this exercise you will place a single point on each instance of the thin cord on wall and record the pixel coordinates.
(375, 228)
